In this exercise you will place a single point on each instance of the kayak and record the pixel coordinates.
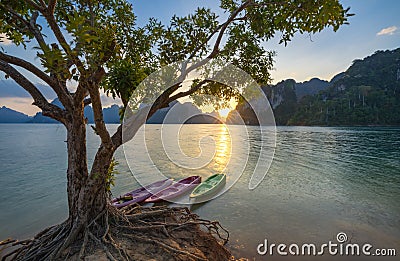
(140, 194)
(211, 185)
(175, 190)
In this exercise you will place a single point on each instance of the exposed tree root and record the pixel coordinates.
(133, 233)
(153, 241)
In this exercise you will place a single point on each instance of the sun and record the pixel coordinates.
(224, 112)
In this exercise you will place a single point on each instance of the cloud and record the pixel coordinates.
(387, 31)
(4, 40)
(10, 89)
(20, 104)
(107, 101)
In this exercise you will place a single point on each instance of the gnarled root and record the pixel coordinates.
(133, 233)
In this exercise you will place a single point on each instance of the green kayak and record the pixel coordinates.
(211, 185)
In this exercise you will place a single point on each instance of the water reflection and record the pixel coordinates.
(322, 181)
(178, 151)
(223, 150)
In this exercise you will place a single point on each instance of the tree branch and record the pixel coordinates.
(206, 41)
(27, 66)
(81, 92)
(15, 14)
(101, 129)
(222, 28)
(162, 100)
(94, 79)
(61, 92)
(31, 25)
(87, 101)
(58, 87)
(188, 92)
(48, 109)
(49, 15)
(36, 32)
(51, 6)
(165, 98)
(35, 5)
(117, 137)
(97, 76)
(159, 103)
(95, 99)
(42, 3)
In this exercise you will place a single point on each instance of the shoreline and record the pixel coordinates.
(255, 125)
(144, 232)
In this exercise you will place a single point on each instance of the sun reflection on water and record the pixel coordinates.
(223, 148)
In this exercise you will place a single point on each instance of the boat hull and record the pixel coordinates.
(210, 186)
(179, 188)
(142, 193)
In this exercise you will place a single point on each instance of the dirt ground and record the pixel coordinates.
(159, 234)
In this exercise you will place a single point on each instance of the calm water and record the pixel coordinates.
(322, 181)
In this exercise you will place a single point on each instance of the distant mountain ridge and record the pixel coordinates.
(111, 115)
(173, 114)
(11, 116)
(367, 93)
(283, 97)
(177, 113)
(310, 87)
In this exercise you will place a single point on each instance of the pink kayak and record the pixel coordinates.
(175, 190)
(140, 194)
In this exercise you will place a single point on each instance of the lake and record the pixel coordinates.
(322, 180)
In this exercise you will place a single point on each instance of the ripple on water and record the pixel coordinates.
(321, 181)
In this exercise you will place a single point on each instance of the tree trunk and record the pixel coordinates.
(87, 195)
(77, 172)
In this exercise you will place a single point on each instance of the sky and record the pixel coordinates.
(375, 26)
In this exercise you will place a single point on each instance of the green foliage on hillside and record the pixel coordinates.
(285, 110)
(367, 94)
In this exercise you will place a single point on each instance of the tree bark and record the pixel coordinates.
(87, 195)
(77, 172)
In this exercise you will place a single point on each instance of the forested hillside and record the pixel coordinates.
(367, 94)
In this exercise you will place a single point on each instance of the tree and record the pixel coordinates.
(98, 44)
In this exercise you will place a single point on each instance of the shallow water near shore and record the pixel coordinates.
(322, 181)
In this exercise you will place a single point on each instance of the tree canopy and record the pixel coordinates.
(95, 37)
